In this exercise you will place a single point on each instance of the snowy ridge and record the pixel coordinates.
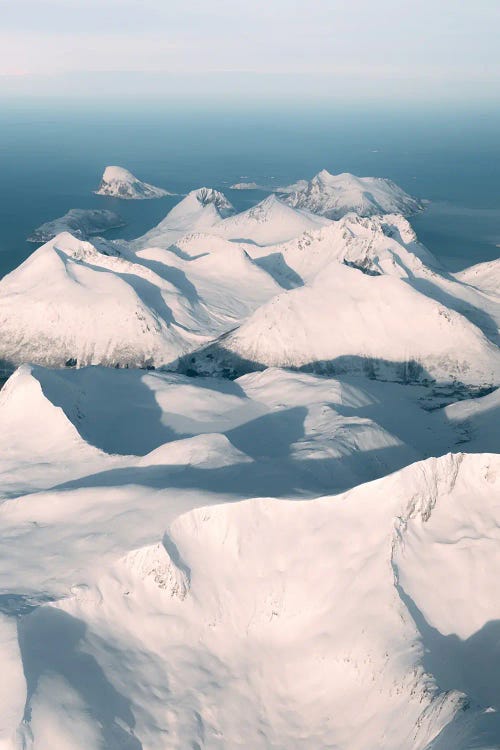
(346, 321)
(100, 308)
(200, 210)
(294, 552)
(267, 223)
(334, 196)
(118, 182)
(289, 611)
(108, 307)
(303, 622)
(484, 276)
(200, 274)
(375, 245)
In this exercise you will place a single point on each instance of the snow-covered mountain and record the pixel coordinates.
(104, 306)
(348, 321)
(200, 210)
(384, 245)
(297, 625)
(118, 182)
(376, 245)
(336, 195)
(157, 301)
(146, 606)
(80, 222)
(269, 222)
(484, 276)
(291, 553)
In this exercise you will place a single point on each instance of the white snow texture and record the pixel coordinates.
(299, 548)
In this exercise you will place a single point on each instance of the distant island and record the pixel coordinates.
(80, 222)
(118, 182)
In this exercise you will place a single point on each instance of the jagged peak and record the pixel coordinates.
(206, 196)
(155, 563)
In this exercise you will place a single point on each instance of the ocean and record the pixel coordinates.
(52, 154)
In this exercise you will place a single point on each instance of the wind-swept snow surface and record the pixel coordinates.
(334, 195)
(118, 182)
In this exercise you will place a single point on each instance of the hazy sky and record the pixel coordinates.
(387, 48)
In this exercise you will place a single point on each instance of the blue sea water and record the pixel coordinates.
(52, 154)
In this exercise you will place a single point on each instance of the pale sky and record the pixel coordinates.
(420, 48)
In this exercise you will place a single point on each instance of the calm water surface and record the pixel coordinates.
(52, 155)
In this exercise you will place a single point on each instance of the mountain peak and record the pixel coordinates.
(324, 175)
(118, 182)
(207, 196)
(334, 196)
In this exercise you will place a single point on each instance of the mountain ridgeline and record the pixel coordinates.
(249, 479)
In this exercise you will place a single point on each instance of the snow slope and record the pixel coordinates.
(261, 623)
(347, 321)
(98, 308)
(304, 433)
(39, 445)
(336, 195)
(484, 276)
(143, 604)
(118, 182)
(381, 245)
(267, 223)
(479, 421)
(198, 211)
(108, 306)
(149, 302)
(80, 222)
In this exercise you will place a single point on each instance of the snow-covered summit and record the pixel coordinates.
(210, 197)
(118, 182)
(269, 222)
(108, 305)
(200, 210)
(335, 195)
(317, 615)
(376, 245)
(348, 321)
